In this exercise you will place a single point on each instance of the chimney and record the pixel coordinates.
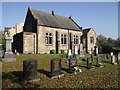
(53, 13)
(70, 17)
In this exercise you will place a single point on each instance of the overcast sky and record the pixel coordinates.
(101, 16)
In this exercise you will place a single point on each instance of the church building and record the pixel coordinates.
(43, 32)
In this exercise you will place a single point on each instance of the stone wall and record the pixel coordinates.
(43, 48)
(29, 43)
(18, 42)
(19, 27)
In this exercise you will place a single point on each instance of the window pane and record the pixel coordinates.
(50, 40)
(61, 40)
(64, 40)
(50, 34)
(61, 35)
(46, 34)
(46, 40)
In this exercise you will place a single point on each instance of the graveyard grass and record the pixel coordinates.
(105, 77)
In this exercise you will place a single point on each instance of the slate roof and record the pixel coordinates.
(52, 20)
(85, 31)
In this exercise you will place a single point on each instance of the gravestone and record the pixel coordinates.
(69, 53)
(111, 53)
(118, 57)
(56, 68)
(89, 63)
(95, 51)
(98, 61)
(108, 56)
(81, 50)
(105, 56)
(76, 50)
(30, 71)
(8, 55)
(113, 60)
(72, 64)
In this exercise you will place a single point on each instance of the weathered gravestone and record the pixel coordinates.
(81, 50)
(118, 57)
(95, 51)
(72, 64)
(76, 50)
(105, 56)
(69, 53)
(89, 63)
(108, 56)
(98, 61)
(56, 68)
(8, 56)
(30, 71)
(113, 60)
(111, 54)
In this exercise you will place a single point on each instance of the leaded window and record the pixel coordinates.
(92, 40)
(63, 39)
(48, 38)
(75, 39)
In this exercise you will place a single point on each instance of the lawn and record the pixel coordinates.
(105, 77)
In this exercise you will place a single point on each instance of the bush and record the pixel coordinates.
(52, 52)
(62, 51)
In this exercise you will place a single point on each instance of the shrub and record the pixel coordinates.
(52, 52)
(62, 52)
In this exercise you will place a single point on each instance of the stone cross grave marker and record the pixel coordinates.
(113, 60)
(81, 50)
(56, 68)
(89, 63)
(8, 56)
(72, 64)
(30, 71)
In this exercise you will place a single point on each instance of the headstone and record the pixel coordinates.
(30, 71)
(113, 61)
(8, 56)
(95, 51)
(81, 50)
(76, 50)
(105, 56)
(69, 53)
(72, 64)
(108, 56)
(56, 68)
(118, 57)
(98, 62)
(111, 53)
(89, 63)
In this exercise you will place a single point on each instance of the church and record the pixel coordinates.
(43, 32)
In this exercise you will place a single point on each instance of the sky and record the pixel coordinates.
(101, 16)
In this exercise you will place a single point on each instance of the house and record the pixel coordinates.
(43, 32)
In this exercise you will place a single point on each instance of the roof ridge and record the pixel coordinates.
(49, 13)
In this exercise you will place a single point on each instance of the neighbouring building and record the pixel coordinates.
(89, 39)
(43, 32)
(14, 30)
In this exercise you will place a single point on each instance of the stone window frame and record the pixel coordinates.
(76, 38)
(63, 39)
(48, 36)
(92, 40)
